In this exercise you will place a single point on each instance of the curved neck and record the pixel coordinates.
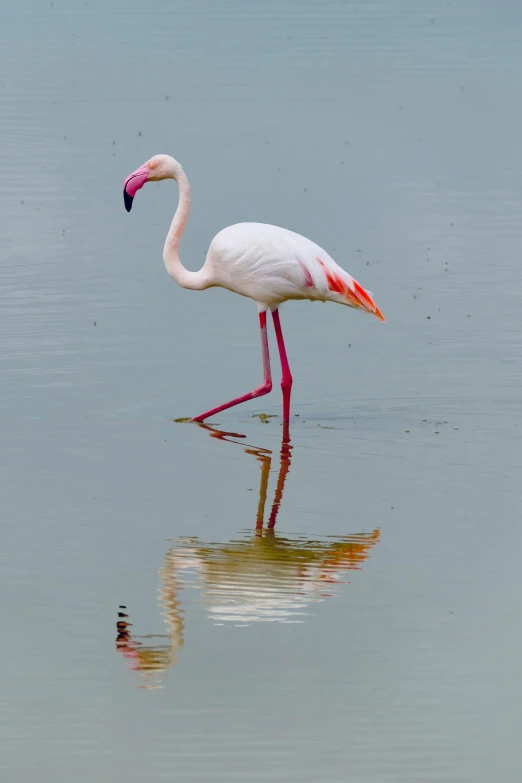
(176, 270)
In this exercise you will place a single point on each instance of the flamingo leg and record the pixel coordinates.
(286, 382)
(265, 387)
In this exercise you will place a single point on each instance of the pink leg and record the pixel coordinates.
(286, 382)
(265, 387)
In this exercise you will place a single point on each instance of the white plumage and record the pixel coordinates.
(270, 264)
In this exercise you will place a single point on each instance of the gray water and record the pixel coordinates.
(373, 633)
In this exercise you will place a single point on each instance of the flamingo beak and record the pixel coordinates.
(133, 183)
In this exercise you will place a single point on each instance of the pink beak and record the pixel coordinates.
(133, 183)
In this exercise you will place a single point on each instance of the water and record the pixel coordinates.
(184, 605)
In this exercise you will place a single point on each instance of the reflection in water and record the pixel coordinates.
(261, 576)
(151, 658)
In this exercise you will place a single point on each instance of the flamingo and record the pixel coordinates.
(266, 263)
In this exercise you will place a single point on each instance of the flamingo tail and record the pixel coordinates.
(354, 293)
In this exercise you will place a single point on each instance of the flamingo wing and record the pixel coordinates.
(271, 264)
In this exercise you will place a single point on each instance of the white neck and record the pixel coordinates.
(182, 276)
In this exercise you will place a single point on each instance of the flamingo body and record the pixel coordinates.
(271, 265)
(266, 263)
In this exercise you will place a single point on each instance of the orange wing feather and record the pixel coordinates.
(358, 298)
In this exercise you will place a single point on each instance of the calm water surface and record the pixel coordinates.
(183, 604)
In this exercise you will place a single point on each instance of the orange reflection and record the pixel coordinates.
(261, 576)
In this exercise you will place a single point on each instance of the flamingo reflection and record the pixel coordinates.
(261, 576)
(150, 657)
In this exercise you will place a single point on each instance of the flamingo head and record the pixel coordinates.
(158, 167)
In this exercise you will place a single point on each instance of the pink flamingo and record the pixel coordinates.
(266, 263)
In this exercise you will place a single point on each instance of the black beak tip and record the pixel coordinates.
(127, 200)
